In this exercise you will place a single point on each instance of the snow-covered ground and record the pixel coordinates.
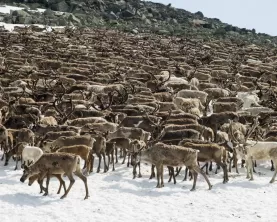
(10, 27)
(115, 196)
(7, 9)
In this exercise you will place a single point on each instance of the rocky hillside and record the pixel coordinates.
(129, 15)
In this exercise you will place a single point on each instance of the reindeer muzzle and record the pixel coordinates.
(22, 179)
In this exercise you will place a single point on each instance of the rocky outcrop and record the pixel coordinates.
(129, 15)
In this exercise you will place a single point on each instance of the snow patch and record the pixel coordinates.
(7, 9)
(115, 196)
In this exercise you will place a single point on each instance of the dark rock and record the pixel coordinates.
(62, 21)
(199, 14)
(127, 14)
(21, 17)
(74, 19)
(208, 26)
(115, 8)
(61, 6)
(34, 6)
(49, 12)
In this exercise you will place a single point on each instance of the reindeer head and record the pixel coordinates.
(32, 179)
(28, 172)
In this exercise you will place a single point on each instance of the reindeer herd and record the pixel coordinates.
(69, 95)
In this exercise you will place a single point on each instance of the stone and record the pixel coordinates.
(49, 12)
(135, 31)
(127, 14)
(61, 6)
(21, 17)
(72, 18)
(62, 21)
(199, 14)
(113, 15)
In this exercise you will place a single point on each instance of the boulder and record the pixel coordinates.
(61, 6)
(127, 14)
(21, 17)
(72, 18)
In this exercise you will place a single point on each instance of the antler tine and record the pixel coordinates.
(56, 108)
(162, 82)
(250, 131)
(148, 118)
(167, 118)
(231, 131)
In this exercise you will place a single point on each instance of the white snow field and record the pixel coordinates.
(115, 196)
(7, 9)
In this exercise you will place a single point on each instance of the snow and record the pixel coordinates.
(7, 9)
(115, 196)
(10, 27)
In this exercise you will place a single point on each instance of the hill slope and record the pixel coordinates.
(129, 15)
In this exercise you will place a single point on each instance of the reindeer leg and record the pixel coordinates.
(108, 166)
(230, 164)
(2, 158)
(91, 163)
(16, 163)
(186, 174)
(211, 166)
(274, 175)
(84, 179)
(124, 156)
(162, 176)
(99, 164)
(198, 170)
(170, 173)
(159, 172)
(62, 183)
(254, 165)
(116, 157)
(173, 175)
(139, 175)
(47, 184)
(128, 161)
(242, 163)
(105, 164)
(152, 171)
(72, 181)
(135, 170)
(272, 166)
(178, 171)
(217, 168)
(225, 172)
(85, 165)
(195, 174)
(113, 159)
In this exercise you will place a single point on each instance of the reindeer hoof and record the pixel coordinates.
(210, 187)
(193, 189)
(63, 196)
(139, 176)
(45, 194)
